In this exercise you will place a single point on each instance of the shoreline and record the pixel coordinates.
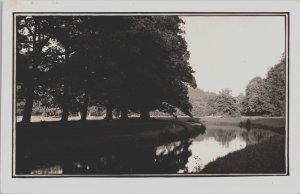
(265, 157)
(91, 134)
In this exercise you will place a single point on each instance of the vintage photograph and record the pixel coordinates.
(150, 94)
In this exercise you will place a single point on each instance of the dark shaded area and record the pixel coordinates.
(123, 63)
(100, 147)
(116, 159)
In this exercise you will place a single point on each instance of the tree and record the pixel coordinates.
(87, 64)
(267, 96)
(136, 63)
(33, 39)
(257, 101)
(225, 104)
(155, 66)
(275, 83)
(65, 30)
(239, 100)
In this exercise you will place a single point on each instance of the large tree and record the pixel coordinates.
(275, 84)
(65, 30)
(35, 53)
(267, 96)
(225, 104)
(155, 65)
(257, 101)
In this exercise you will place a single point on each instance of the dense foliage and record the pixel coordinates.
(263, 97)
(70, 63)
(212, 104)
(267, 96)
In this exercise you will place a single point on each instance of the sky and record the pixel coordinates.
(228, 51)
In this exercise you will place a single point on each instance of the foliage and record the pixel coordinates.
(257, 100)
(276, 87)
(226, 104)
(36, 56)
(267, 96)
(202, 102)
(138, 63)
(209, 103)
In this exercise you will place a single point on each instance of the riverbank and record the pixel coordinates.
(265, 157)
(42, 145)
(91, 134)
(275, 124)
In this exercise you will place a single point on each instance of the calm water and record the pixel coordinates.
(189, 155)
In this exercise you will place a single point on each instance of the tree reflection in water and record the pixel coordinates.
(218, 141)
(225, 136)
(254, 136)
(187, 155)
(173, 157)
(134, 160)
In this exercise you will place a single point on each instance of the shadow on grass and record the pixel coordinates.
(116, 146)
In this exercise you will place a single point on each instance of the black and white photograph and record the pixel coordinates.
(136, 95)
(150, 94)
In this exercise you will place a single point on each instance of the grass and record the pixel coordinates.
(265, 157)
(270, 123)
(276, 124)
(222, 121)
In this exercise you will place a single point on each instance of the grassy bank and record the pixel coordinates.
(274, 124)
(83, 136)
(265, 157)
(44, 144)
(222, 121)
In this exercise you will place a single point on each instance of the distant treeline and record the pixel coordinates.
(263, 97)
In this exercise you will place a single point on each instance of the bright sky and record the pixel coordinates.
(226, 52)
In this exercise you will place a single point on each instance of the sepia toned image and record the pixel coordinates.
(150, 94)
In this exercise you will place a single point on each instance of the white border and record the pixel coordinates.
(281, 184)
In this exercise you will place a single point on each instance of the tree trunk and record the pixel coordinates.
(66, 95)
(108, 116)
(31, 83)
(84, 108)
(65, 104)
(124, 113)
(145, 114)
(29, 103)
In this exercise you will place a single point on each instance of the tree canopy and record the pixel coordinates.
(267, 96)
(136, 63)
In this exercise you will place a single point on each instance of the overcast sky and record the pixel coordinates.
(226, 52)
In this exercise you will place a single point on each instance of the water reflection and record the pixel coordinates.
(219, 141)
(173, 157)
(186, 155)
(130, 160)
